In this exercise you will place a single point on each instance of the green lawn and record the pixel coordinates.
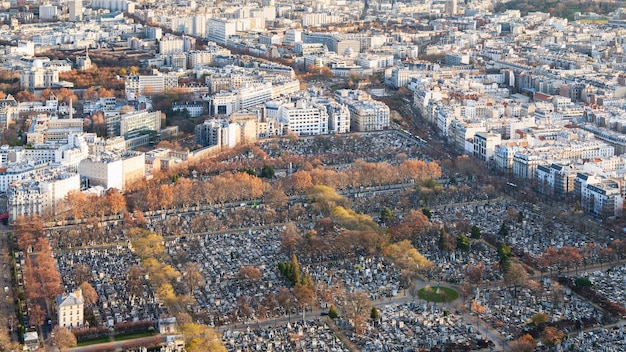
(432, 294)
(94, 341)
(135, 335)
(595, 21)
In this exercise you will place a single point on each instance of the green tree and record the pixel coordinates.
(539, 318)
(386, 215)
(475, 233)
(374, 313)
(504, 230)
(332, 312)
(267, 171)
(463, 243)
(582, 282)
(504, 256)
(427, 212)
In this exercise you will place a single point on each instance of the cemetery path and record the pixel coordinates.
(340, 335)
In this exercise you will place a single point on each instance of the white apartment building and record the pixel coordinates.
(366, 114)
(219, 30)
(75, 10)
(112, 170)
(218, 133)
(485, 145)
(44, 193)
(338, 118)
(48, 12)
(136, 86)
(304, 118)
(602, 199)
(169, 45)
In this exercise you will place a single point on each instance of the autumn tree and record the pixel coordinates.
(148, 245)
(63, 338)
(37, 315)
(285, 299)
(89, 294)
(552, 336)
(356, 309)
(134, 281)
(515, 275)
(24, 96)
(325, 199)
(6, 344)
(525, 343)
(475, 272)
(81, 273)
(192, 277)
(447, 243)
(275, 199)
(301, 181)
(115, 201)
(249, 273)
(201, 338)
(305, 296)
(407, 258)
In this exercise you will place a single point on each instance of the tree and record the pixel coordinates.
(6, 344)
(475, 232)
(332, 312)
(386, 215)
(295, 267)
(515, 275)
(407, 258)
(275, 199)
(250, 273)
(301, 181)
(427, 213)
(463, 243)
(285, 300)
(357, 306)
(304, 295)
(134, 281)
(525, 343)
(89, 294)
(192, 277)
(81, 273)
(63, 338)
(475, 272)
(504, 230)
(201, 338)
(115, 200)
(446, 242)
(581, 282)
(24, 96)
(504, 256)
(552, 336)
(37, 315)
(539, 318)
(374, 315)
(267, 171)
